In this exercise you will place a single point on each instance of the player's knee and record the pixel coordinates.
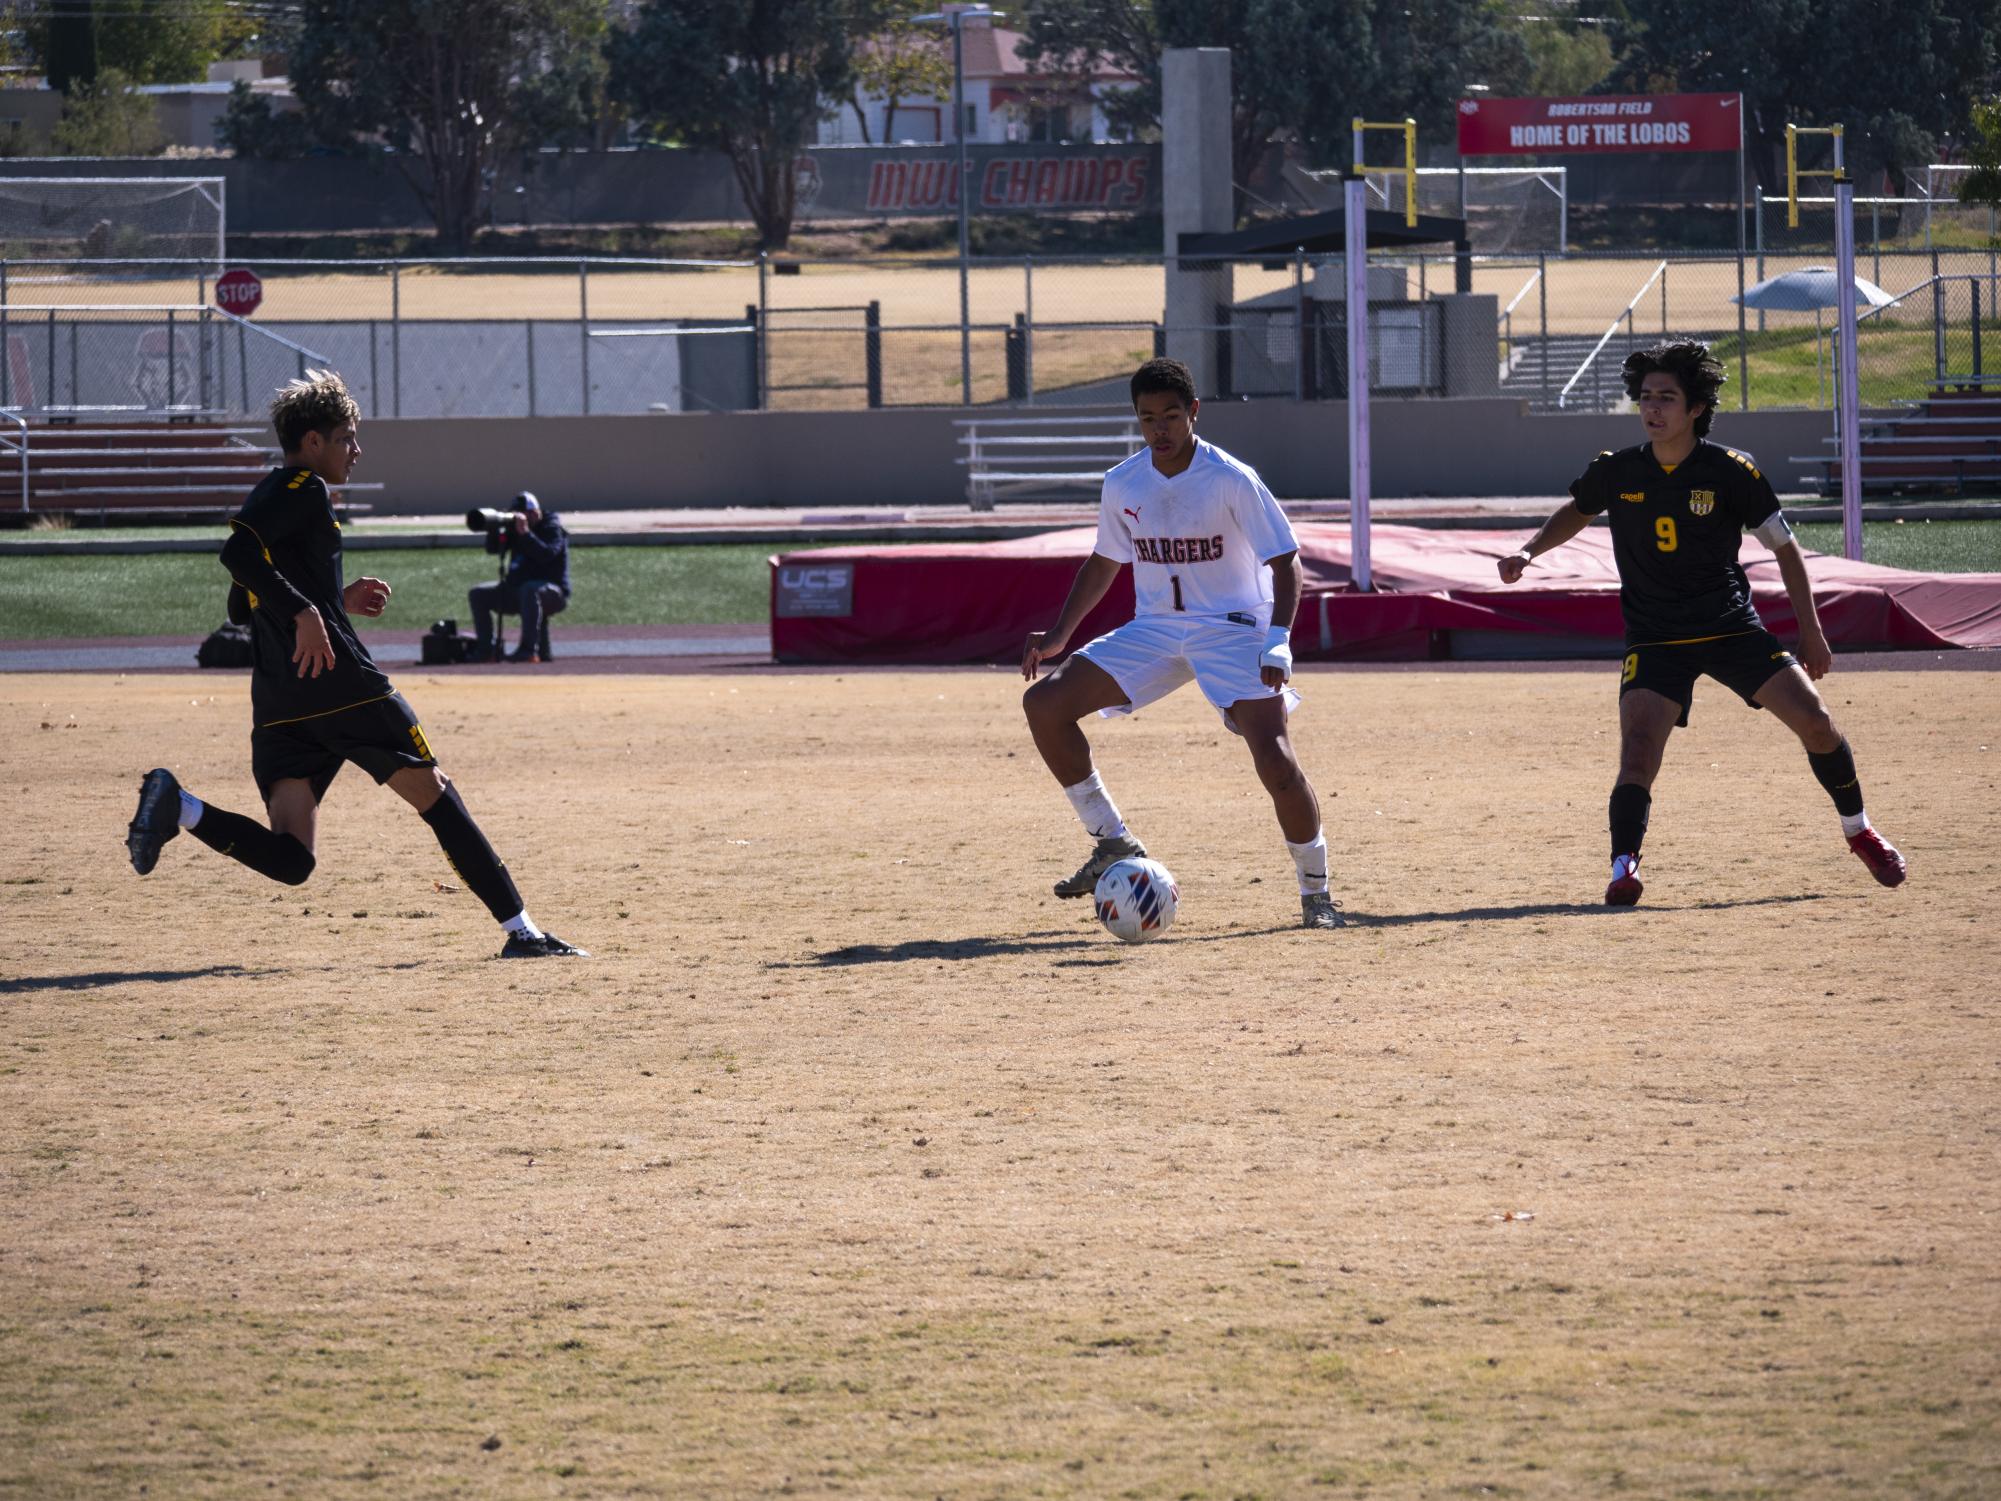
(1040, 702)
(1276, 766)
(1819, 733)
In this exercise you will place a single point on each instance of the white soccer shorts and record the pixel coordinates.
(1149, 657)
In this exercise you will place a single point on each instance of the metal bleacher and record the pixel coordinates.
(1949, 443)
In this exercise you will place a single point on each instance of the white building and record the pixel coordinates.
(1005, 101)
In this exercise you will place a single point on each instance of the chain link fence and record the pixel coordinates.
(499, 338)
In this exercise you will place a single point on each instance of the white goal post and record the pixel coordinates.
(55, 219)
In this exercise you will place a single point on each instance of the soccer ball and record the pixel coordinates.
(1137, 900)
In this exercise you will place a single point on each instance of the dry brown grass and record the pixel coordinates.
(853, 1164)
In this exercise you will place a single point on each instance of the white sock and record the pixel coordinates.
(1310, 859)
(1095, 808)
(1624, 865)
(521, 923)
(1851, 823)
(191, 809)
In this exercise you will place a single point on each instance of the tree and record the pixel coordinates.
(446, 88)
(106, 117)
(67, 44)
(1896, 84)
(1983, 183)
(250, 128)
(894, 59)
(749, 79)
(1299, 69)
(149, 41)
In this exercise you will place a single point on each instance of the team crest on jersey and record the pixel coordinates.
(1701, 502)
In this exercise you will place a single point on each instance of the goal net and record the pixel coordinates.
(1509, 210)
(112, 218)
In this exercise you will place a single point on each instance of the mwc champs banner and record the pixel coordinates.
(875, 182)
(1629, 123)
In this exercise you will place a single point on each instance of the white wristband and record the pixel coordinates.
(1278, 650)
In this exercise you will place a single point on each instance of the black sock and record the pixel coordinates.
(1630, 802)
(1836, 770)
(279, 856)
(472, 857)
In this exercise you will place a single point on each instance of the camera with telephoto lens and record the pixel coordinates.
(496, 525)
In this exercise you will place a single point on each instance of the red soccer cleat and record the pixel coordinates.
(1625, 889)
(1881, 856)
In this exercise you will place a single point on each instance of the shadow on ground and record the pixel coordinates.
(102, 979)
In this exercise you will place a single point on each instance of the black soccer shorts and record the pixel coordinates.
(382, 737)
(1743, 663)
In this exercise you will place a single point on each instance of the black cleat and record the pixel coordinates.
(541, 946)
(157, 821)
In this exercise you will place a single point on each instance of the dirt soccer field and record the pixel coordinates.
(855, 1164)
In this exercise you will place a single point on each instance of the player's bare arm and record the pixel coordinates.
(1092, 580)
(1287, 583)
(1816, 656)
(1564, 523)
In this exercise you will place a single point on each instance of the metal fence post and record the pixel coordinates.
(6, 347)
(1542, 315)
(1664, 277)
(49, 396)
(1973, 285)
(243, 367)
(1299, 323)
(872, 352)
(763, 350)
(584, 327)
(396, 338)
(171, 360)
(1028, 325)
(528, 327)
(1938, 321)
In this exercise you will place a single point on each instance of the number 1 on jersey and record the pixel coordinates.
(1175, 579)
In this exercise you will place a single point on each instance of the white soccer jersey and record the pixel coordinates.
(1198, 541)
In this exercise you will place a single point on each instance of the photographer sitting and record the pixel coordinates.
(537, 583)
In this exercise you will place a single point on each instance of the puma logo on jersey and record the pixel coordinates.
(1130, 512)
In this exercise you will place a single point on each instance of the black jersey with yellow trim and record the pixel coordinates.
(284, 552)
(1676, 530)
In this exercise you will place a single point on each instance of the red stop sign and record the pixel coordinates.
(239, 292)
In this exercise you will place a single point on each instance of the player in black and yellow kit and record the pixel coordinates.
(1679, 506)
(317, 699)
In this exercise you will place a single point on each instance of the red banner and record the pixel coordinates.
(1601, 123)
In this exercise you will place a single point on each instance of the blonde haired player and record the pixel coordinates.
(1216, 579)
(317, 699)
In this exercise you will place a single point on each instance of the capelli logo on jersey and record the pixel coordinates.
(1701, 502)
(1632, 495)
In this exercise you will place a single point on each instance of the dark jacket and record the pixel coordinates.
(541, 555)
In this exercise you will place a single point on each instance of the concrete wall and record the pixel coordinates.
(830, 461)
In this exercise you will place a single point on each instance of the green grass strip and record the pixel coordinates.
(179, 594)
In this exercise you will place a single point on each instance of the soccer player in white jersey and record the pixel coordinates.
(1216, 578)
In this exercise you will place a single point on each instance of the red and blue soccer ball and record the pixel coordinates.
(1137, 900)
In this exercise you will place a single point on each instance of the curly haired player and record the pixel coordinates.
(1216, 577)
(1679, 506)
(317, 698)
